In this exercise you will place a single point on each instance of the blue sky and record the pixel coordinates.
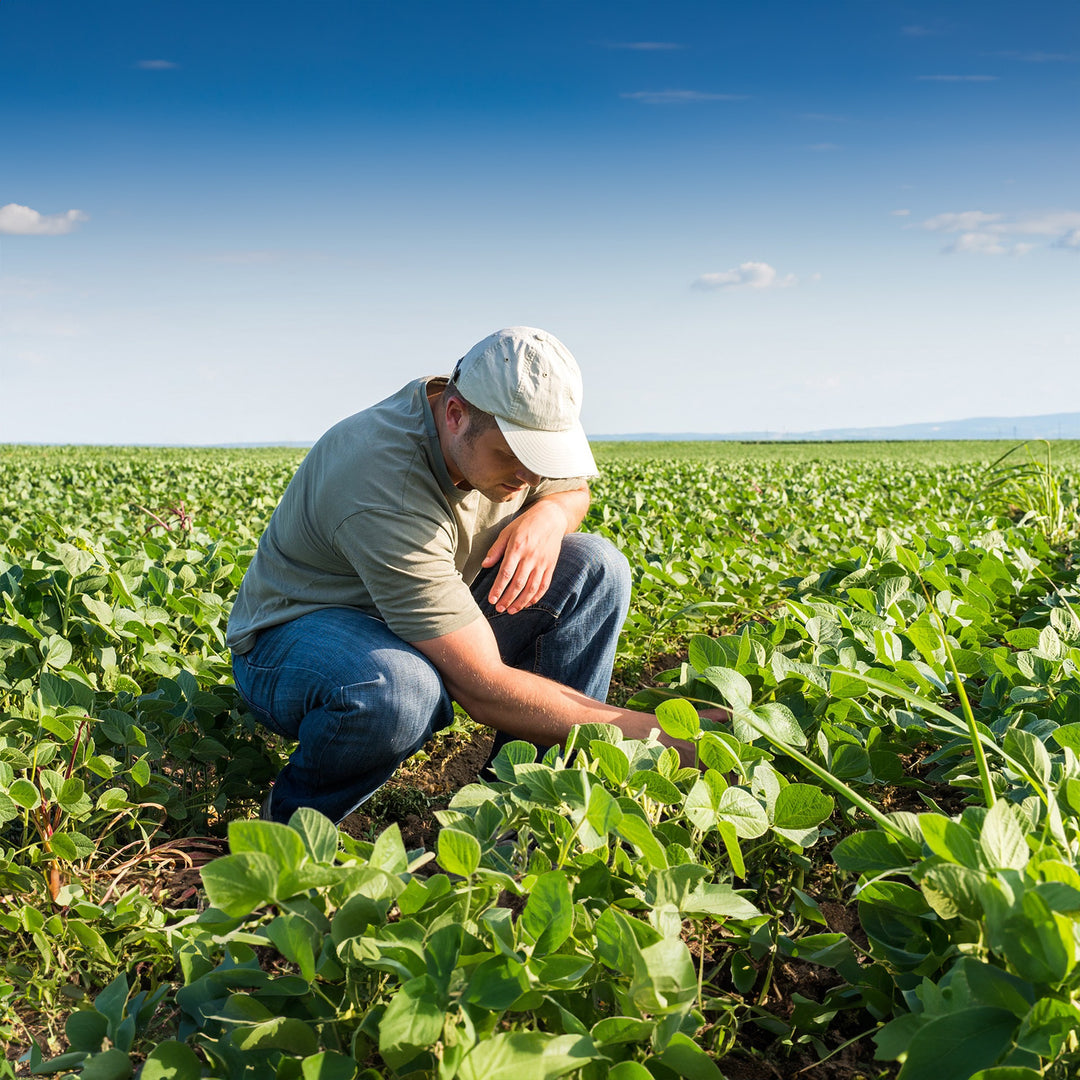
(234, 222)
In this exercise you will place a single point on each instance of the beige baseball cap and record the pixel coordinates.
(530, 382)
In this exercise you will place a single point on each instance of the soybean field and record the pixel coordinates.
(873, 871)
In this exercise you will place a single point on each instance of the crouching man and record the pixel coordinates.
(425, 552)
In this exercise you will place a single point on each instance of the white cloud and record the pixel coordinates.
(964, 221)
(750, 275)
(899, 213)
(981, 233)
(956, 78)
(16, 220)
(156, 65)
(646, 46)
(977, 243)
(678, 97)
(1052, 224)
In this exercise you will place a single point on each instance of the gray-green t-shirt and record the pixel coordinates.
(372, 520)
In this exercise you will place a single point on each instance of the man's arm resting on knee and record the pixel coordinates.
(520, 703)
(529, 548)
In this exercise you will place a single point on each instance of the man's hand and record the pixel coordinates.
(529, 549)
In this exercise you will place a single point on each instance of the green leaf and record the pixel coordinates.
(953, 1046)
(1068, 737)
(1037, 942)
(656, 787)
(1002, 838)
(328, 1065)
(603, 812)
(281, 1033)
(86, 1030)
(842, 684)
(171, 1060)
(950, 840)
(56, 652)
(869, 852)
(664, 977)
(615, 1030)
(740, 809)
(548, 917)
(629, 1070)
(776, 721)
(238, 884)
(801, 806)
(389, 851)
(639, 834)
(614, 764)
(679, 719)
(517, 752)
(1029, 751)
(496, 983)
(280, 842)
(686, 1059)
(140, 771)
(527, 1055)
(318, 833)
(459, 852)
(715, 753)
(25, 794)
(413, 1021)
(111, 1065)
(731, 684)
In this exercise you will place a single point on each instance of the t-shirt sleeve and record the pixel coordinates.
(406, 562)
(548, 487)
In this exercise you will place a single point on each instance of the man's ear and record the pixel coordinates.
(457, 419)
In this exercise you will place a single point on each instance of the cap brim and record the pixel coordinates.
(554, 455)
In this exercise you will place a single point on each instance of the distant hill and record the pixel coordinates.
(1051, 426)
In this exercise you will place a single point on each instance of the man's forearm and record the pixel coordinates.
(574, 504)
(539, 710)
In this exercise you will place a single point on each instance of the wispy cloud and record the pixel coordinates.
(899, 213)
(959, 222)
(956, 78)
(16, 220)
(980, 233)
(920, 31)
(645, 46)
(748, 275)
(679, 97)
(156, 65)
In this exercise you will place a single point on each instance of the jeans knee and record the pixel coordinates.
(606, 566)
(413, 703)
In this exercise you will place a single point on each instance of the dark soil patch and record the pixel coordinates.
(421, 787)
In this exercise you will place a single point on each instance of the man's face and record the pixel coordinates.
(486, 463)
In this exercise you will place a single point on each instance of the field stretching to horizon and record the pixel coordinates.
(873, 871)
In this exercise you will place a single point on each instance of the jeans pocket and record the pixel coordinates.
(245, 684)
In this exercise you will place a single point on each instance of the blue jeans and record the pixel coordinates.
(359, 700)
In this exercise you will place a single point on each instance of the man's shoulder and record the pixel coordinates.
(379, 457)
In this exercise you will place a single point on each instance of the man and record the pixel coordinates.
(426, 552)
